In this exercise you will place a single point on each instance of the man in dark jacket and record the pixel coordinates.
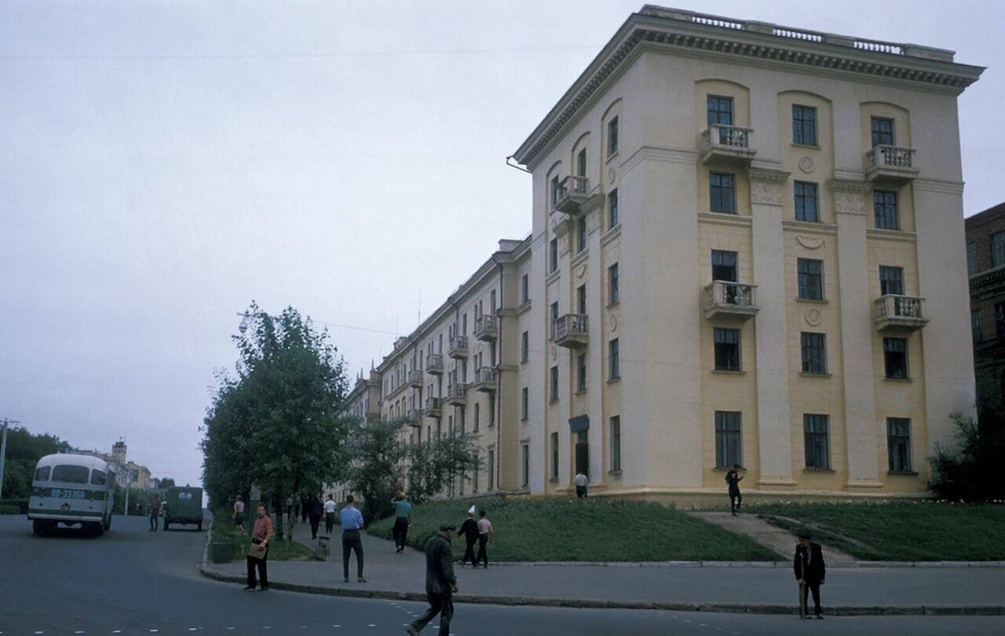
(315, 510)
(469, 530)
(440, 583)
(810, 572)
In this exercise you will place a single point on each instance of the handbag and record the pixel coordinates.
(257, 551)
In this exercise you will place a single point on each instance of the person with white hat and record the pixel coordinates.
(469, 530)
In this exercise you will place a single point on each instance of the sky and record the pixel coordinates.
(163, 164)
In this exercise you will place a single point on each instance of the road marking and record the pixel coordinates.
(116, 631)
(371, 625)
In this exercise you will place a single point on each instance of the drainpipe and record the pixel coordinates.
(499, 375)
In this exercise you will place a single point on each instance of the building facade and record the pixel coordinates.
(986, 267)
(743, 251)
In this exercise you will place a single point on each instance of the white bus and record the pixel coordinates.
(71, 489)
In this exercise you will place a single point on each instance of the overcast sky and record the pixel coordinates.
(164, 163)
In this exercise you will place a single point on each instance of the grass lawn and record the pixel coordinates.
(593, 530)
(922, 531)
(223, 532)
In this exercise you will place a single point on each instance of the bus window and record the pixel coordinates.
(71, 474)
(42, 474)
(97, 478)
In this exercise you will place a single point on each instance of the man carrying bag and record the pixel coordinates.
(258, 551)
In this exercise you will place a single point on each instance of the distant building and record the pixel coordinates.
(127, 473)
(986, 266)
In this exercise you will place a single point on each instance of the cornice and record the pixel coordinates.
(747, 41)
(938, 185)
(725, 219)
(891, 235)
(656, 153)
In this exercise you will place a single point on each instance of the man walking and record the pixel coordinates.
(484, 535)
(239, 514)
(469, 530)
(733, 479)
(352, 523)
(261, 534)
(315, 510)
(440, 583)
(329, 515)
(581, 481)
(402, 520)
(810, 572)
(155, 512)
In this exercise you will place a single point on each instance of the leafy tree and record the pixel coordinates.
(24, 449)
(971, 470)
(280, 423)
(167, 482)
(434, 466)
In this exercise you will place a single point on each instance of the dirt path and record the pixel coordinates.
(769, 536)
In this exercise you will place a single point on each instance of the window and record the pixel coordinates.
(614, 355)
(525, 463)
(806, 201)
(581, 372)
(976, 326)
(727, 439)
(524, 404)
(997, 249)
(999, 320)
(616, 443)
(727, 349)
(478, 416)
(811, 279)
(971, 258)
(98, 479)
(525, 288)
(612, 137)
(492, 469)
(884, 203)
(815, 436)
(898, 444)
(724, 266)
(554, 384)
(613, 291)
(42, 474)
(492, 409)
(554, 455)
(612, 209)
(554, 317)
(524, 346)
(554, 190)
(553, 253)
(882, 132)
(814, 347)
(804, 125)
(721, 193)
(581, 163)
(720, 110)
(581, 299)
(895, 358)
(71, 474)
(891, 280)
(581, 233)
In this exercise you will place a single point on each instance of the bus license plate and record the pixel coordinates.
(59, 493)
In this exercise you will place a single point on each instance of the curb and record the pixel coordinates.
(725, 608)
(751, 564)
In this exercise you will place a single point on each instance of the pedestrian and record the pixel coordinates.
(352, 523)
(304, 506)
(440, 583)
(258, 552)
(155, 512)
(733, 478)
(239, 514)
(329, 515)
(469, 530)
(810, 572)
(484, 535)
(402, 520)
(581, 481)
(314, 512)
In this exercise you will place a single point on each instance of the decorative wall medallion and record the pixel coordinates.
(581, 270)
(611, 174)
(806, 164)
(813, 317)
(613, 321)
(554, 352)
(810, 242)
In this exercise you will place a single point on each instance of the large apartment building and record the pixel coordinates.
(745, 249)
(986, 266)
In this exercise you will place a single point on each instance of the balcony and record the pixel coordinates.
(413, 417)
(458, 347)
(730, 144)
(903, 313)
(891, 164)
(457, 394)
(486, 328)
(726, 299)
(572, 192)
(415, 378)
(434, 407)
(570, 331)
(434, 364)
(486, 379)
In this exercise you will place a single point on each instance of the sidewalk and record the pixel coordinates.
(753, 588)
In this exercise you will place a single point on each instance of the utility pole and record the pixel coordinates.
(3, 450)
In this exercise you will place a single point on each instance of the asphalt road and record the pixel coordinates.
(133, 582)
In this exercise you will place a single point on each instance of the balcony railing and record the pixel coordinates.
(486, 328)
(457, 393)
(571, 193)
(413, 417)
(729, 299)
(895, 312)
(415, 378)
(890, 163)
(434, 364)
(458, 347)
(486, 379)
(727, 143)
(433, 407)
(570, 330)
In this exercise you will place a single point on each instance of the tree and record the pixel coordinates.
(970, 470)
(24, 449)
(166, 482)
(281, 422)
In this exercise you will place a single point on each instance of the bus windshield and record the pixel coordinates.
(71, 474)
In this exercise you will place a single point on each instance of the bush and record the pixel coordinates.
(970, 470)
(14, 506)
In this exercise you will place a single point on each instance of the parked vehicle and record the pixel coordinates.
(71, 489)
(183, 505)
